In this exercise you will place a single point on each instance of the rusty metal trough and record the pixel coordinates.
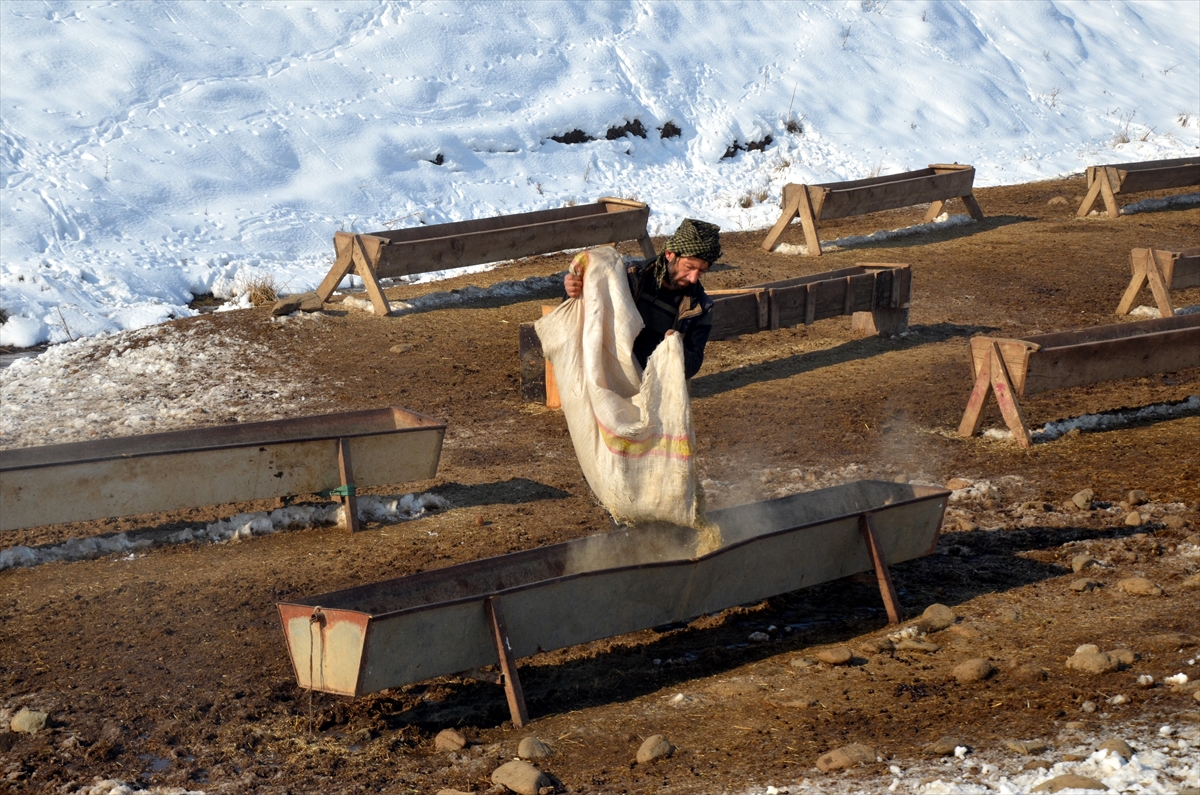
(386, 634)
(209, 466)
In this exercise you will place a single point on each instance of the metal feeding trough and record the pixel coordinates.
(209, 466)
(451, 620)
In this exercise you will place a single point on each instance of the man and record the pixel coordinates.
(668, 293)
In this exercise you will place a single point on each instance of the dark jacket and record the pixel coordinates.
(688, 312)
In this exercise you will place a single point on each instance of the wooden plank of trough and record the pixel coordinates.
(1111, 360)
(1113, 331)
(734, 315)
(1180, 175)
(902, 192)
(483, 225)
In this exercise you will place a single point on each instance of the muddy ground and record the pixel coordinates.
(170, 668)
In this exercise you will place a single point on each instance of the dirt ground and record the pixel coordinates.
(170, 668)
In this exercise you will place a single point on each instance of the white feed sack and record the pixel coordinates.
(632, 430)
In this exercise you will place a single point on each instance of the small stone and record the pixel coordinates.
(1084, 585)
(1137, 497)
(804, 702)
(1083, 499)
(1057, 201)
(28, 721)
(450, 740)
(533, 748)
(942, 747)
(1037, 764)
(877, 646)
(1088, 707)
(1069, 781)
(1089, 659)
(839, 655)
(966, 525)
(1139, 586)
(655, 747)
(1145, 681)
(912, 644)
(1117, 746)
(802, 662)
(1119, 699)
(954, 484)
(965, 632)
(448, 791)
(846, 757)
(1026, 747)
(1009, 615)
(1134, 519)
(310, 302)
(1191, 583)
(1196, 695)
(1171, 641)
(1081, 562)
(734, 688)
(758, 637)
(935, 618)
(975, 670)
(1173, 522)
(286, 306)
(1125, 657)
(402, 347)
(521, 777)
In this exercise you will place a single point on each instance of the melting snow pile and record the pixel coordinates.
(236, 528)
(943, 221)
(1108, 420)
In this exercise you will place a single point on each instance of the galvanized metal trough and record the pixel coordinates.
(223, 464)
(385, 634)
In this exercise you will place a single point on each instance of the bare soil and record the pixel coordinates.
(171, 668)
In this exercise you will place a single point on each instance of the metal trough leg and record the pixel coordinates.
(882, 575)
(508, 663)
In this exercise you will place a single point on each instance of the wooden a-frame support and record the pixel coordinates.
(1102, 187)
(993, 375)
(357, 255)
(1147, 268)
(882, 575)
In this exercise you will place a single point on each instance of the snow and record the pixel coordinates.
(155, 152)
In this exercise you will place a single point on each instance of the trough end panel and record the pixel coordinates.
(325, 653)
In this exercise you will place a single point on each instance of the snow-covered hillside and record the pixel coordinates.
(153, 151)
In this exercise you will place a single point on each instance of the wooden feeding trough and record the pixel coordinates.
(1108, 181)
(876, 295)
(332, 453)
(1043, 362)
(456, 619)
(1164, 271)
(827, 201)
(400, 252)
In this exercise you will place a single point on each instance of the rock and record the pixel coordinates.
(954, 484)
(975, 670)
(1037, 764)
(1089, 659)
(1083, 499)
(1084, 585)
(521, 777)
(877, 646)
(936, 618)
(310, 302)
(966, 525)
(1145, 681)
(286, 306)
(965, 632)
(1081, 562)
(1057, 201)
(1133, 519)
(1088, 706)
(1174, 522)
(846, 757)
(1030, 672)
(1026, 746)
(1137, 497)
(1139, 586)
(28, 721)
(1125, 657)
(1118, 699)
(802, 662)
(1196, 695)
(1117, 746)
(758, 637)
(450, 740)
(1069, 781)
(942, 747)
(448, 791)
(839, 655)
(533, 748)
(402, 347)
(1191, 583)
(734, 688)
(655, 747)
(912, 644)
(804, 702)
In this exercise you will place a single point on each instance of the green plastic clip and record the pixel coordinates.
(338, 491)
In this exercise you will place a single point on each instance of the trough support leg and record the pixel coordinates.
(1093, 193)
(882, 575)
(647, 247)
(808, 220)
(789, 212)
(973, 207)
(552, 399)
(1007, 398)
(971, 417)
(935, 209)
(368, 252)
(343, 265)
(1159, 284)
(347, 498)
(508, 663)
(1139, 261)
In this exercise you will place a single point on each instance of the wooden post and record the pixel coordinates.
(935, 209)
(348, 499)
(973, 207)
(508, 663)
(809, 221)
(790, 208)
(552, 399)
(969, 425)
(882, 575)
(358, 255)
(1007, 398)
(1093, 192)
(1160, 282)
(1109, 187)
(343, 264)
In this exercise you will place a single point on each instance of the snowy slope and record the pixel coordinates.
(153, 151)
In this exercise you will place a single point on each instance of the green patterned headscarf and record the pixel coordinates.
(692, 239)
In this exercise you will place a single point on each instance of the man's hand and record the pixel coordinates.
(573, 285)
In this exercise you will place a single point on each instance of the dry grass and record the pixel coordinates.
(260, 287)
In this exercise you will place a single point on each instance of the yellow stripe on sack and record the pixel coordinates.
(670, 446)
